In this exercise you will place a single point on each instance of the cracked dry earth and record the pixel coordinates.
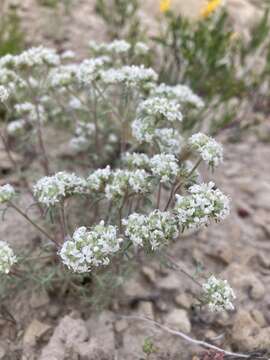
(237, 250)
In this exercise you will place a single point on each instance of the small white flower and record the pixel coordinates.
(7, 258)
(152, 231)
(90, 248)
(7, 192)
(16, 127)
(99, 178)
(115, 47)
(36, 56)
(168, 140)
(4, 94)
(124, 182)
(141, 48)
(203, 204)
(210, 150)
(218, 294)
(89, 70)
(68, 55)
(160, 107)
(165, 167)
(182, 93)
(50, 190)
(136, 160)
(132, 76)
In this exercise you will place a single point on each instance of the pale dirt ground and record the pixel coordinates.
(237, 249)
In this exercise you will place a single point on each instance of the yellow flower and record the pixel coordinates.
(210, 7)
(164, 5)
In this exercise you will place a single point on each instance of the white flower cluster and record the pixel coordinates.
(7, 258)
(210, 150)
(160, 106)
(164, 167)
(16, 127)
(169, 140)
(136, 160)
(7, 192)
(31, 112)
(50, 190)
(90, 69)
(150, 113)
(32, 57)
(141, 48)
(182, 93)
(124, 183)
(152, 231)
(132, 76)
(203, 204)
(83, 134)
(114, 47)
(62, 76)
(218, 294)
(98, 179)
(4, 94)
(90, 248)
(118, 47)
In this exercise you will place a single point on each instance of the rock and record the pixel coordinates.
(146, 309)
(149, 273)
(179, 320)
(183, 300)
(5, 164)
(3, 351)
(134, 289)
(34, 332)
(120, 325)
(258, 317)
(89, 340)
(247, 334)
(210, 335)
(53, 310)
(241, 278)
(161, 305)
(170, 282)
(39, 299)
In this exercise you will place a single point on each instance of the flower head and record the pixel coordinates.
(152, 231)
(7, 192)
(90, 248)
(218, 294)
(210, 7)
(50, 190)
(99, 178)
(7, 258)
(164, 5)
(203, 204)
(209, 149)
(124, 182)
(165, 167)
(4, 93)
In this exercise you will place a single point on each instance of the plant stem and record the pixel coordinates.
(159, 195)
(201, 343)
(33, 223)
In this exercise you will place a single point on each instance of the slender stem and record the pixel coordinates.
(201, 343)
(175, 265)
(45, 161)
(170, 197)
(159, 195)
(194, 167)
(33, 223)
(63, 220)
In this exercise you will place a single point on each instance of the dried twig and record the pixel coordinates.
(201, 343)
